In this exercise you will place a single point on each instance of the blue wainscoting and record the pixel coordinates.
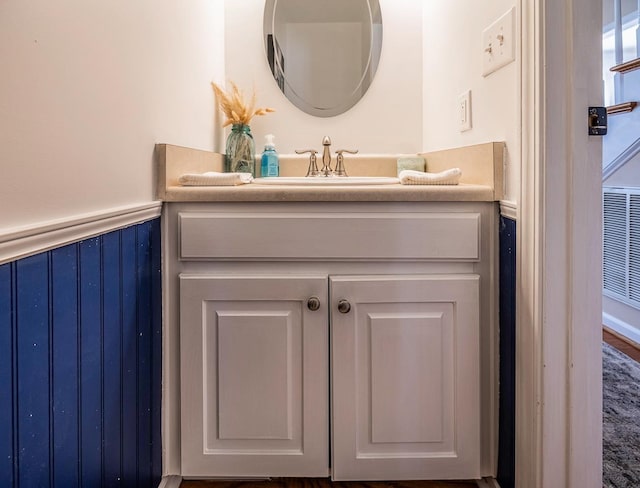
(507, 403)
(80, 364)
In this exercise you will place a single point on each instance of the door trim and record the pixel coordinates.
(558, 392)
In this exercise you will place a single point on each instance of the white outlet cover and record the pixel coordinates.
(498, 43)
(464, 111)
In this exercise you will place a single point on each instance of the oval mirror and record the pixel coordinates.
(323, 55)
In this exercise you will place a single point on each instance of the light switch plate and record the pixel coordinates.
(464, 111)
(498, 43)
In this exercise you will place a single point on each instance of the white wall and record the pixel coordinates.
(453, 52)
(627, 175)
(387, 120)
(87, 88)
(411, 105)
(623, 133)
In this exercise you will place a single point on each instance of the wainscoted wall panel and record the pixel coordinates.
(507, 404)
(65, 374)
(6, 377)
(80, 363)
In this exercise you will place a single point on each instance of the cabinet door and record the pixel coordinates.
(254, 376)
(405, 377)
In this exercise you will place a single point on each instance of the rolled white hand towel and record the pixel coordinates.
(215, 179)
(447, 177)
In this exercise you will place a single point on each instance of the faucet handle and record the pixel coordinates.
(340, 169)
(313, 167)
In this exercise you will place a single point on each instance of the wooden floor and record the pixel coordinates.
(325, 483)
(630, 349)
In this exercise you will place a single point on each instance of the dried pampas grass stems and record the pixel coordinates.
(234, 107)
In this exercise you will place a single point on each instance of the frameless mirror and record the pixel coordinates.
(323, 54)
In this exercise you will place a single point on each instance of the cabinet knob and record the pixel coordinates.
(344, 306)
(313, 303)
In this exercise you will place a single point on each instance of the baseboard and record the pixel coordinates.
(170, 481)
(625, 331)
(173, 481)
(619, 336)
(487, 483)
(26, 241)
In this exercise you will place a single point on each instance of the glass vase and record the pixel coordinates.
(240, 155)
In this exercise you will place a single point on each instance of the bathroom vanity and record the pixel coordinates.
(354, 337)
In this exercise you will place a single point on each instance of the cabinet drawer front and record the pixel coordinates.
(439, 236)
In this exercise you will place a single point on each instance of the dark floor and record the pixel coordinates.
(325, 483)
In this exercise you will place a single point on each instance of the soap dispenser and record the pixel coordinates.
(270, 165)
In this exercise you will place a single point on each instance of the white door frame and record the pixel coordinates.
(558, 341)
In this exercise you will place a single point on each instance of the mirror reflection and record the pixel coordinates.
(323, 55)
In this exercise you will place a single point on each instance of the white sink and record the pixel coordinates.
(327, 180)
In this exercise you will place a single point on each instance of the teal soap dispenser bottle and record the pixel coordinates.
(270, 163)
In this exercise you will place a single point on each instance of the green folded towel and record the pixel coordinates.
(413, 163)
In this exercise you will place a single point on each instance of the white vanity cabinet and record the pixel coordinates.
(347, 339)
